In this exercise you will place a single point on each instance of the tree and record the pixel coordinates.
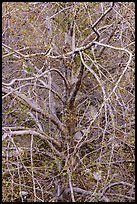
(68, 101)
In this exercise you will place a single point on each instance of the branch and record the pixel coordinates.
(41, 81)
(78, 190)
(95, 24)
(103, 15)
(12, 53)
(15, 51)
(70, 184)
(65, 80)
(36, 107)
(26, 56)
(118, 183)
(27, 131)
(76, 87)
(128, 63)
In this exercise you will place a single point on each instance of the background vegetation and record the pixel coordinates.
(68, 101)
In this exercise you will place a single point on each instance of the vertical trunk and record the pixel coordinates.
(71, 108)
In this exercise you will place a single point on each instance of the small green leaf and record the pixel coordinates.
(28, 69)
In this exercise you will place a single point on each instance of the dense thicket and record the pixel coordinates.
(68, 101)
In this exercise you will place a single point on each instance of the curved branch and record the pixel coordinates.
(46, 87)
(128, 63)
(36, 107)
(65, 80)
(118, 183)
(30, 84)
